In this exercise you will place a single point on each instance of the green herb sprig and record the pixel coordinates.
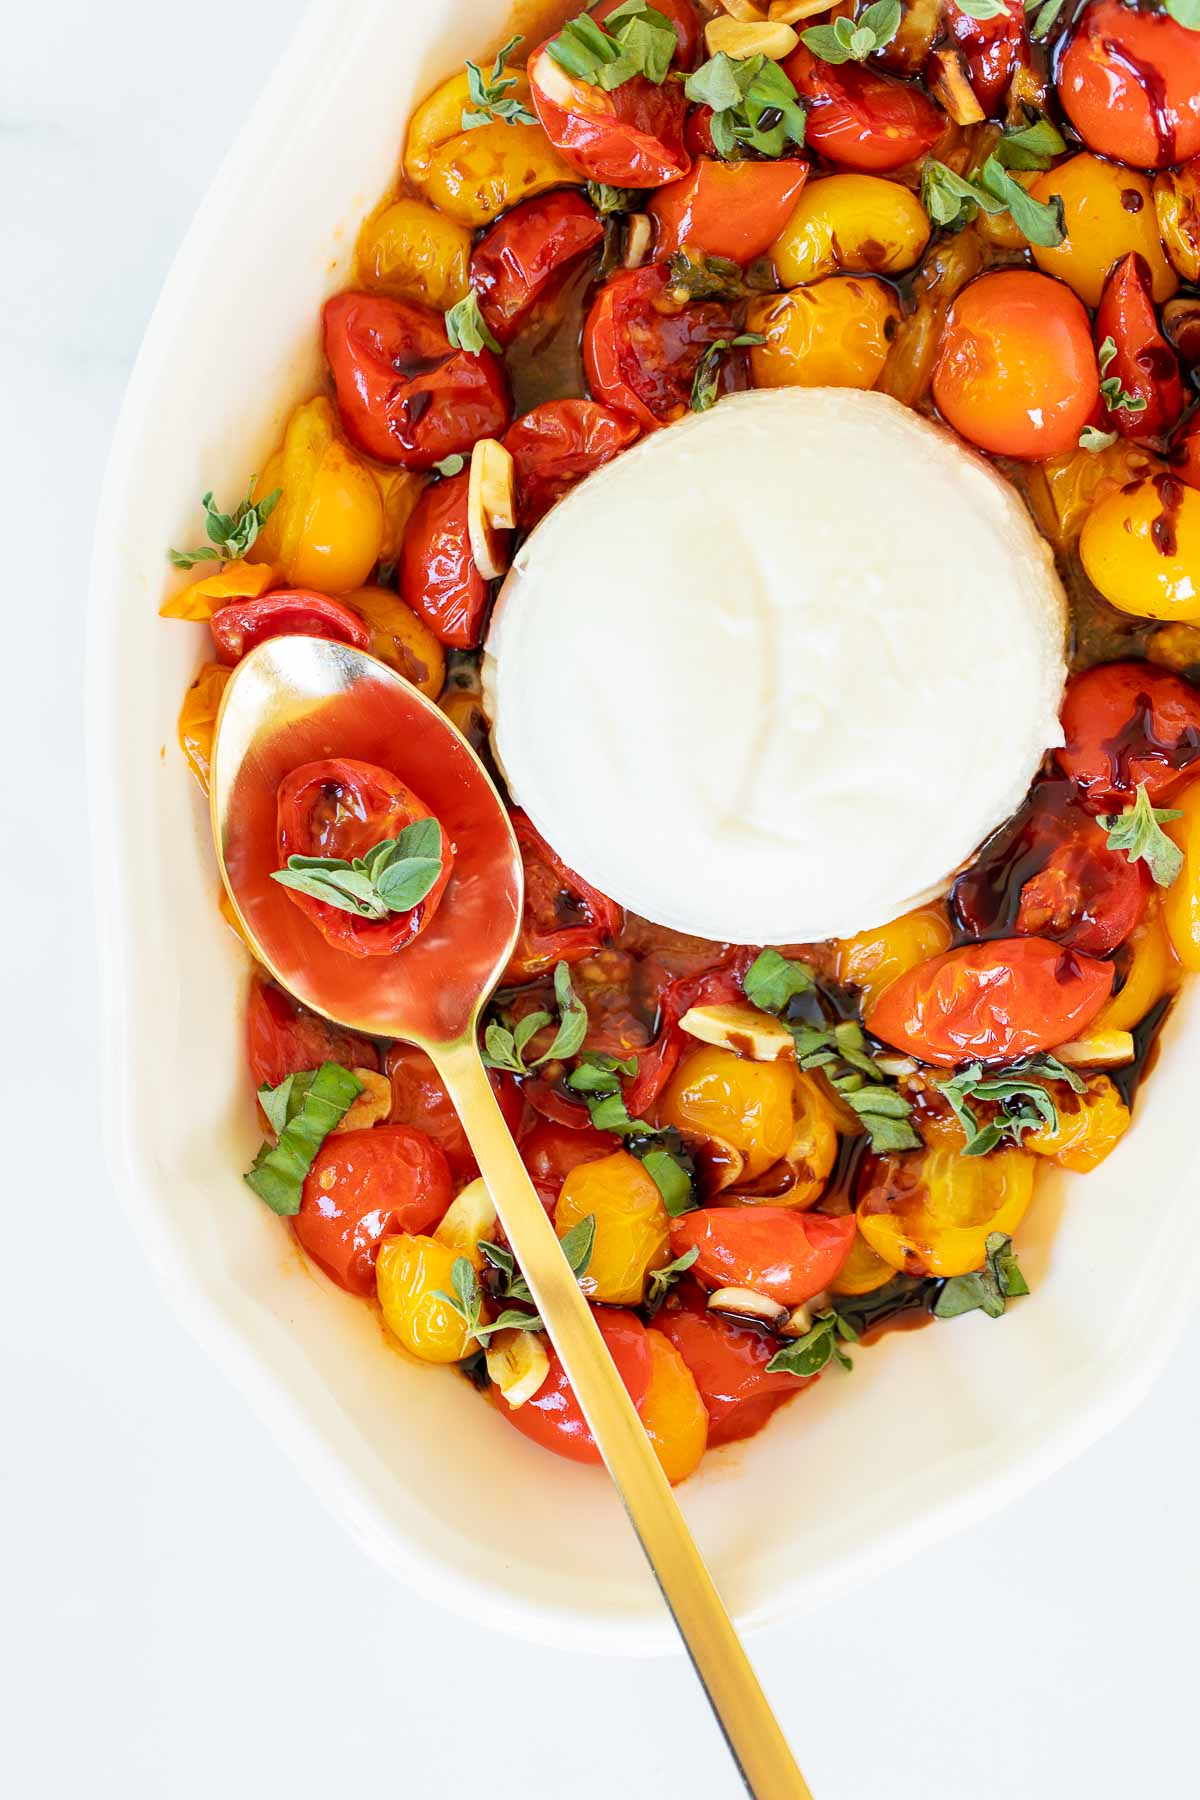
(505, 1049)
(706, 381)
(230, 535)
(467, 329)
(492, 98)
(468, 1296)
(1091, 438)
(301, 1111)
(988, 1289)
(853, 40)
(1026, 1103)
(953, 200)
(1138, 832)
(597, 1078)
(754, 105)
(1185, 13)
(394, 876)
(820, 1345)
(608, 200)
(1047, 16)
(635, 39)
(1115, 397)
(663, 1280)
(454, 464)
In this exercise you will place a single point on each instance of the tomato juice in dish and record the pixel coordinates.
(756, 1150)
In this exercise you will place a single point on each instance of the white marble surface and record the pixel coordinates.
(178, 1617)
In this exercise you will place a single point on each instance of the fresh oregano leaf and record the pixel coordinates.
(988, 1289)
(467, 329)
(230, 535)
(1138, 832)
(492, 98)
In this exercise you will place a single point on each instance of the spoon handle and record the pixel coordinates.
(751, 1730)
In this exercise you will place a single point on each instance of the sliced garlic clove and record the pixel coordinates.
(469, 1217)
(639, 233)
(743, 40)
(491, 507)
(743, 1029)
(946, 75)
(518, 1364)
(1097, 1050)
(372, 1105)
(744, 1303)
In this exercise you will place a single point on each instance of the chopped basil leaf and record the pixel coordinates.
(635, 39)
(467, 1298)
(302, 1111)
(493, 98)
(988, 1289)
(597, 1073)
(608, 200)
(663, 1280)
(1047, 16)
(708, 369)
(1185, 13)
(808, 1355)
(1025, 1103)
(451, 465)
(952, 201)
(772, 979)
(230, 535)
(754, 105)
(394, 876)
(840, 1051)
(1138, 832)
(672, 1181)
(853, 40)
(1032, 146)
(983, 9)
(466, 329)
(1091, 438)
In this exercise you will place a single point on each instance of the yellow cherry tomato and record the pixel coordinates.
(833, 334)
(1109, 211)
(858, 223)
(871, 960)
(413, 253)
(399, 490)
(464, 709)
(1151, 972)
(198, 719)
(863, 1271)
(326, 530)
(930, 1212)
(674, 1416)
(1177, 205)
(400, 638)
(1176, 647)
(238, 580)
(409, 1271)
(813, 1149)
(633, 1227)
(1089, 1125)
(747, 1106)
(1181, 901)
(1063, 490)
(472, 176)
(1141, 548)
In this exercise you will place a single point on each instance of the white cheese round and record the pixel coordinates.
(775, 673)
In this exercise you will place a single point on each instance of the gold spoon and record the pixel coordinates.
(296, 700)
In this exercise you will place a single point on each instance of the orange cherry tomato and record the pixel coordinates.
(1129, 82)
(789, 1256)
(683, 17)
(405, 395)
(990, 49)
(241, 625)
(631, 137)
(283, 1038)
(729, 1363)
(551, 1150)
(420, 1101)
(364, 1186)
(1128, 724)
(859, 118)
(1145, 363)
(731, 209)
(520, 259)
(340, 807)
(557, 444)
(552, 1418)
(1016, 372)
(994, 1001)
(641, 348)
(437, 574)
(565, 918)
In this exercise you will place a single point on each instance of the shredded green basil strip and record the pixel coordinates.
(302, 1110)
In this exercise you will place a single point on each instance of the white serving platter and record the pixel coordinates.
(934, 1429)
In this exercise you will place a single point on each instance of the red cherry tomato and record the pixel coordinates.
(1049, 873)
(552, 1417)
(241, 625)
(1016, 372)
(993, 1002)
(641, 348)
(364, 1186)
(437, 575)
(1145, 363)
(405, 395)
(732, 209)
(283, 1037)
(697, 132)
(859, 118)
(717, 986)
(1185, 456)
(728, 1363)
(420, 1101)
(556, 445)
(342, 808)
(1127, 724)
(991, 50)
(565, 918)
(551, 1150)
(631, 137)
(518, 260)
(683, 17)
(787, 1255)
(1129, 82)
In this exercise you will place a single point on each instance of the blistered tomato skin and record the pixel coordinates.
(995, 1001)
(1090, 1126)
(1144, 363)
(1129, 82)
(554, 893)
(632, 1236)
(990, 49)
(550, 1151)
(411, 252)
(1177, 207)
(400, 638)
(631, 137)
(552, 1418)
(731, 209)
(1108, 211)
(731, 1103)
(518, 260)
(856, 224)
(1128, 724)
(786, 1255)
(871, 960)
(364, 1186)
(641, 350)
(405, 395)
(930, 1212)
(557, 444)
(437, 574)
(833, 333)
(420, 1101)
(1141, 548)
(241, 625)
(283, 1037)
(326, 529)
(861, 119)
(410, 1271)
(1016, 372)
(472, 176)
(728, 1361)
(1181, 901)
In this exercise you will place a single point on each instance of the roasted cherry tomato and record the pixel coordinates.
(871, 959)
(631, 137)
(412, 1272)
(556, 445)
(437, 574)
(1129, 82)
(551, 1150)
(994, 1001)
(1144, 364)
(1108, 211)
(519, 259)
(1128, 724)
(683, 17)
(717, 986)
(1146, 970)
(729, 1363)
(364, 1186)
(788, 1256)
(1181, 901)
(1185, 454)
(420, 1100)
(343, 808)
(1016, 372)
(732, 209)
(565, 918)
(1141, 548)
(198, 719)
(405, 395)
(1049, 873)
(991, 50)
(398, 637)
(1090, 1125)
(632, 1228)
(552, 1417)
(326, 530)
(673, 1413)
(242, 625)
(413, 252)
(931, 1212)
(859, 118)
(741, 1113)
(1177, 215)
(476, 174)
(860, 224)
(283, 1037)
(641, 348)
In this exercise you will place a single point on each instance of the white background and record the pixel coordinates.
(178, 1618)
